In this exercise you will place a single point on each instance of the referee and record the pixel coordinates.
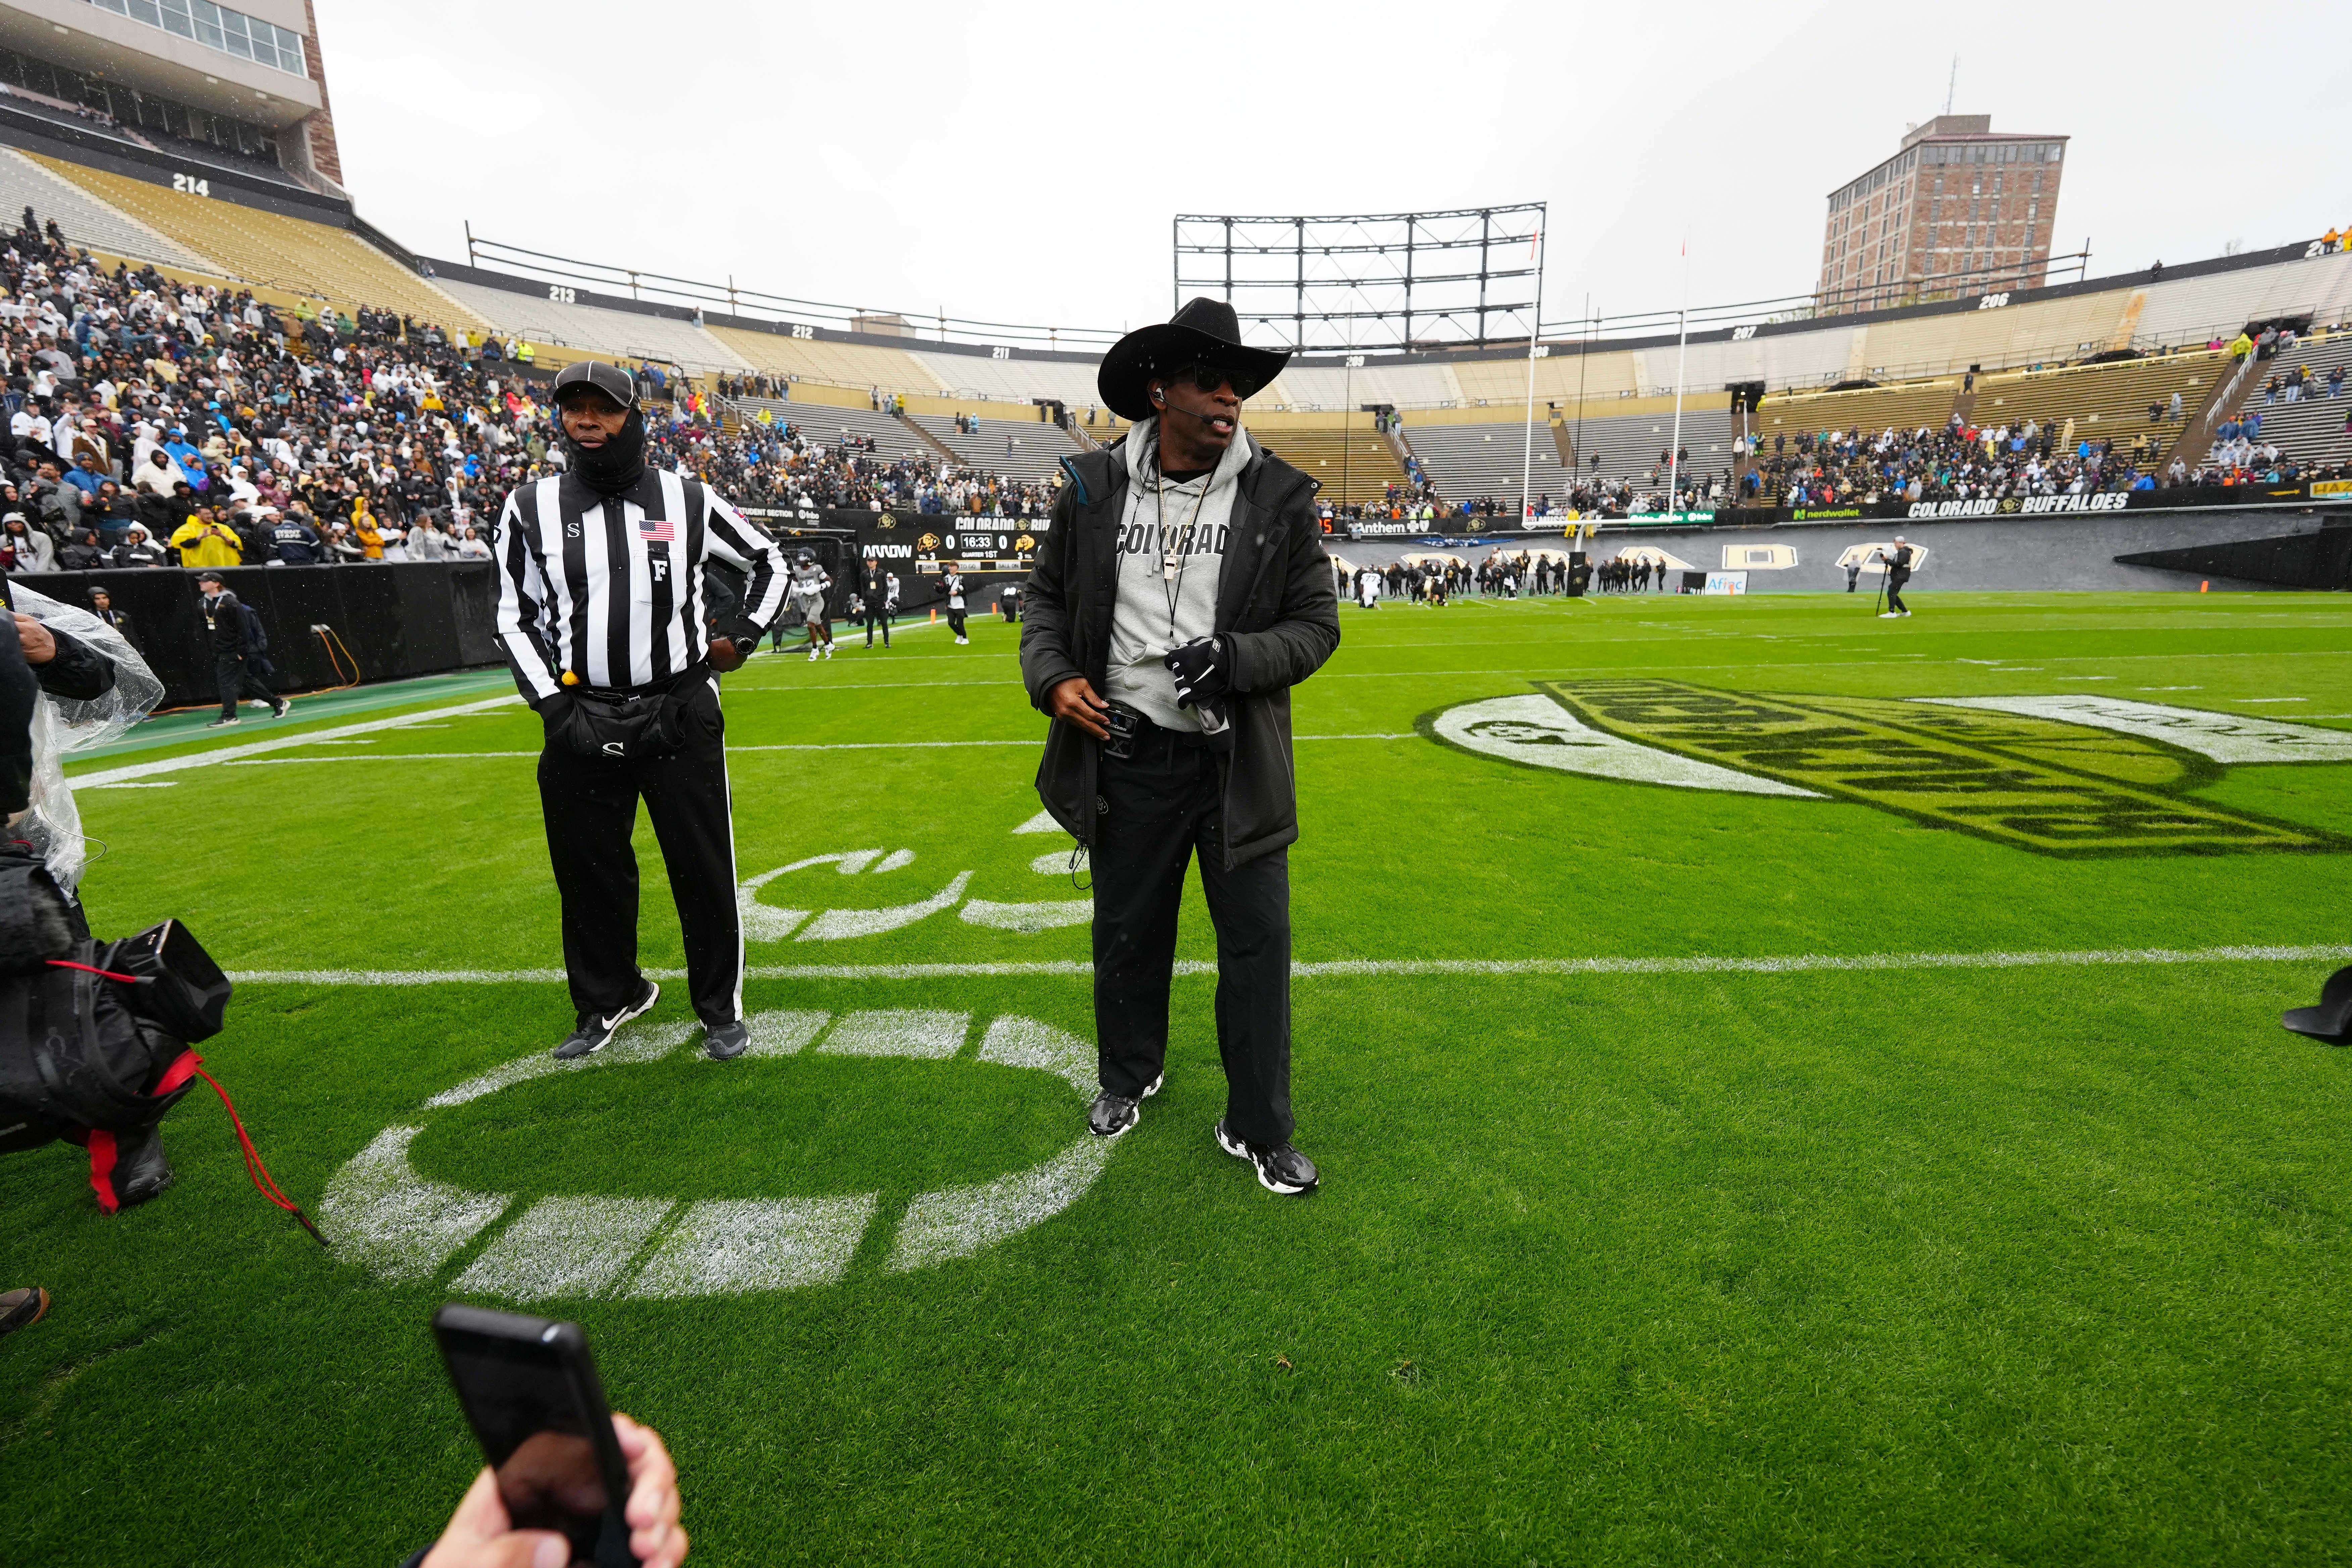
(601, 614)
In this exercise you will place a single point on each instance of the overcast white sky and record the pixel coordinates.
(1022, 163)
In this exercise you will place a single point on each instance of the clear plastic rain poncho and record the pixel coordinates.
(62, 727)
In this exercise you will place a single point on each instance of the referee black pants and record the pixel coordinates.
(1164, 803)
(590, 806)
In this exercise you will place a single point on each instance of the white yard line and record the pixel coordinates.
(830, 746)
(375, 757)
(1351, 968)
(284, 743)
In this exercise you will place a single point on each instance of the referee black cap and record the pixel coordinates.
(611, 380)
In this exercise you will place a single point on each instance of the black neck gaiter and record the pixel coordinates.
(615, 468)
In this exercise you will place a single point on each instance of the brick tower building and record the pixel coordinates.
(1956, 210)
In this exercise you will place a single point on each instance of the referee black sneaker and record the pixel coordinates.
(1280, 1168)
(725, 1042)
(595, 1033)
(1112, 1114)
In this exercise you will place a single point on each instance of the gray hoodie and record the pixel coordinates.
(1155, 613)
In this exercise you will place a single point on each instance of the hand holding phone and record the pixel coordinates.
(567, 1482)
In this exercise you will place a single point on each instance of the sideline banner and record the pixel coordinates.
(2320, 493)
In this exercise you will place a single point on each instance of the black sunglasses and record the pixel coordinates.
(1203, 376)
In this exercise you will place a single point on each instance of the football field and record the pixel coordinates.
(1789, 1087)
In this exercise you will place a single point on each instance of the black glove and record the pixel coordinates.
(1200, 672)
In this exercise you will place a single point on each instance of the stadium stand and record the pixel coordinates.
(861, 366)
(1908, 406)
(825, 424)
(259, 247)
(2025, 333)
(975, 378)
(1030, 449)
(2200, 309)
(86, 220)
(1350, 461)
(1559, 378)
(2108, 401)
(2303, 398)
(1628, 444)
(1307, 387)
(1470, 461)
(621, 333)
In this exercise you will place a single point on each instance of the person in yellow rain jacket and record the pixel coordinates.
(364, 530)
(204, 540)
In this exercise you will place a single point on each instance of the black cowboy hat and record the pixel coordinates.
(1204, 332)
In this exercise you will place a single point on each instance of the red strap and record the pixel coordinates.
(178, 1073)
(86, 969)
(101, 1170)
(256, 1172)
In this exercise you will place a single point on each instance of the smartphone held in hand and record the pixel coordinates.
(531, 1394)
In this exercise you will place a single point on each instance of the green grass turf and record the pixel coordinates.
(1957, 1266)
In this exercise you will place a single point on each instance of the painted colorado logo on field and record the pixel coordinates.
(403, 1226)
(2075, 774)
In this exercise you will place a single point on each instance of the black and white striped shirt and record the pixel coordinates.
(611, 588)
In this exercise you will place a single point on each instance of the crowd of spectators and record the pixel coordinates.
(1963, 462)
(1958, 462)
(157, 423)
(787, 466)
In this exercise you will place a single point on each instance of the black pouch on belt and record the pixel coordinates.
(630, 726)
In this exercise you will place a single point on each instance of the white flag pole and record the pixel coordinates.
(1682, 338)
(1528, 453)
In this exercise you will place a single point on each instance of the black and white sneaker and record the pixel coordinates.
(279, 708)
(725, 1042)
(1112, 1114)
(594, 1034)
(222, 723)
(1280, 1168)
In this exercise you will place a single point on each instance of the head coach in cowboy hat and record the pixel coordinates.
(1180, 594)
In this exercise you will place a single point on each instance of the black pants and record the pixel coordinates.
(955, 621)
(590, 806)
(1895, 581)
(236, 681)
(882, 620)
(1165, 803)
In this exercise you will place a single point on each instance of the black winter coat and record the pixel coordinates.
(1274, 605)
